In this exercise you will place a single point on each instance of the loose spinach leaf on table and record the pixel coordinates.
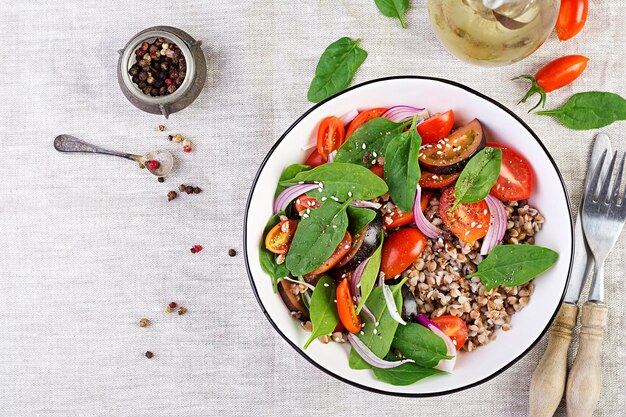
(402, 170)
(336, 68)
(288, 173)
(478, 177)
(370, 275)
(317, 237)
(379, 343)
(323, 309)
(369, 141)
(341, 181)
(416, 342)
(589, 110)
(359, 218)
(267, 258)
(512, 265)
(405, 374)
(393, 8)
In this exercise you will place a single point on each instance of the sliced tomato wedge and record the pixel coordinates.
(315, 159)
(397, 217)
(345, 308)
(342, 249)
(280, 236)
(306, 202)
(364, 117)
(469, 222)
(454, 327)
(436, 127)
(330, 135)
(400, 250)
(430, 180)
(378, 170)
(516, 176)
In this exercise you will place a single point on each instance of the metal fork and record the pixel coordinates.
(603, 217)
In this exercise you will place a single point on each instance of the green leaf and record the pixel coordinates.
(478, 177)
(340, 182)
(359, 218)
(369, 141)
(267, 258)
(317, 237)
(416, 342)
(405, 374)
(323, 309)
(370, 274)
(393, 8)
(379, 343)
(336, 68)
(512, 265)
(288, 173)
(402, 170)
(590, 110)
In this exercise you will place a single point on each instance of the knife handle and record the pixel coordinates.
(585, 378)
(548, 381)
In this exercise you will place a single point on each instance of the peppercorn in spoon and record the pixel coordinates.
(159, 162)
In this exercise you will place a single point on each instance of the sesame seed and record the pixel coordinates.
(349, 194)
(439, 153)
(485, 211)
(324, 198)
(375, 331)
(334, 198)
(364, 146)
(467, 233)
(480, 226)
(326, 284)
(473, 224)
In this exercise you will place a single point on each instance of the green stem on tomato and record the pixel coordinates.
(534, 89)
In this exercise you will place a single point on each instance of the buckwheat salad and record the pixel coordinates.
(405, 238)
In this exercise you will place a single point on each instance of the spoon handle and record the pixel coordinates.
(68, 143)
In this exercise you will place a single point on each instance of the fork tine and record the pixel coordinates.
(604, 196)
(618, 182)
(595, 179)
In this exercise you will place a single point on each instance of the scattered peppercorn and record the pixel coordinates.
(196, 248)
(232, 252)
(161, 128)
(186, 142)
(168, 309)
(152, 164)
(182, 188)
(149, 355)
(155, 62)
(173, 305)
(182, 310)
(178, 138)
(186, 149)
(160, 179)
(197, 190)
(170, 137)
(171, 195)
(189, 189)
(144, 323)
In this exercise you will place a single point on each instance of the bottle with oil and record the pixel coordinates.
(492, 32)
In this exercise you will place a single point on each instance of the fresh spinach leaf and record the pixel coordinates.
(589, 110)
(512, 265)
(336, 68)
(393, 8)
(267, 258)
(416, 342)
(359, 218)
(369, 141)
(323, 309)
(317, 237)
(402, 170)
(340, 182)
(377, 338)
(288, 173)
(370, 274)
(478, 177)
(405, 374)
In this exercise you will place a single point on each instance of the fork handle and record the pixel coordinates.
(585, 377)
(548, 381)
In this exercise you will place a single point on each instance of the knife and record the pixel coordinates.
(548, 381)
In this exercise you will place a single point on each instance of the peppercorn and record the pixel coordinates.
(149, 355)
(197, 190)
(170, 137)
(160, 179)
(134, 70)
(189, 189)
(152, 164)
(173, 305)
(160, 60)
(165, 65)
(171, 195)
(144, 323)
(168, 81)
(162, 91)
(140, 53)
(145, 46)
(196, 248)
(178, 138)
(143, 76)
(186, 149)
(232, 252)
(162, 128)
(136, 79)
(181, 188)
(182, 310)
(186, 142)
(171, 88)
(153, 48)
(154, 92)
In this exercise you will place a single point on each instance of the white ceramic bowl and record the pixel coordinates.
(501, 125)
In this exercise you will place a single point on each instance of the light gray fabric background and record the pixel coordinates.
(90, 244)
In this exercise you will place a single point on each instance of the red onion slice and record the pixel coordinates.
(497, 224)
(399, 114)
(426, 227)
(295, 281)
(348, 117)
(365, 204)
(331, 156)
(369, 314)
(446, 365)
(355, 280)
(391, 303)
(368, 356)
(288, 194)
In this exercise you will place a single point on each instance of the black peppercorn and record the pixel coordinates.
(134, 70)
(171, 88)
(149, 355)
(142, 85)
(232, 252)
(146, 90)
(154, 92)
(153, 48)
(162, 75)
(162, 90)
(189, 189)
(160, 179)
(165, 65)
(171, 195)
(197, 190)
(143, 76)
(136, 79)
(145, 46)
(182, 188)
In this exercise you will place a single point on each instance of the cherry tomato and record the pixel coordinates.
(469, 222)
(342, 249)
(436, 127)
(306, 202)
(280, 236)
(516, 177)
(430, 180)
(400, 250)
(572, 18)
(397, 217)
(454, 327)
(330, 135)
(561, 72)
(315, 159)
(364, 117)
(378, 170)
(345, 308)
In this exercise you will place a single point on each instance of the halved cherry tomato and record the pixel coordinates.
(315, 159)
(430, 180)
(572, 18)
(400, 250)
(345, 308)
(454, 327)
(306, 202)
(280, 236)
(469, 222)
(330, 135)
(342, 249)
(364, 117)
(398, 218)
(378, 170)
(436, 127)
(516, 176)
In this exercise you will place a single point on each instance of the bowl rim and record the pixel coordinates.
(328, 371)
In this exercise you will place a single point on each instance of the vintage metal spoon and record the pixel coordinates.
(68, 143)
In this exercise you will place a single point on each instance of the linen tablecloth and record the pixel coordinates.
(90, 244)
